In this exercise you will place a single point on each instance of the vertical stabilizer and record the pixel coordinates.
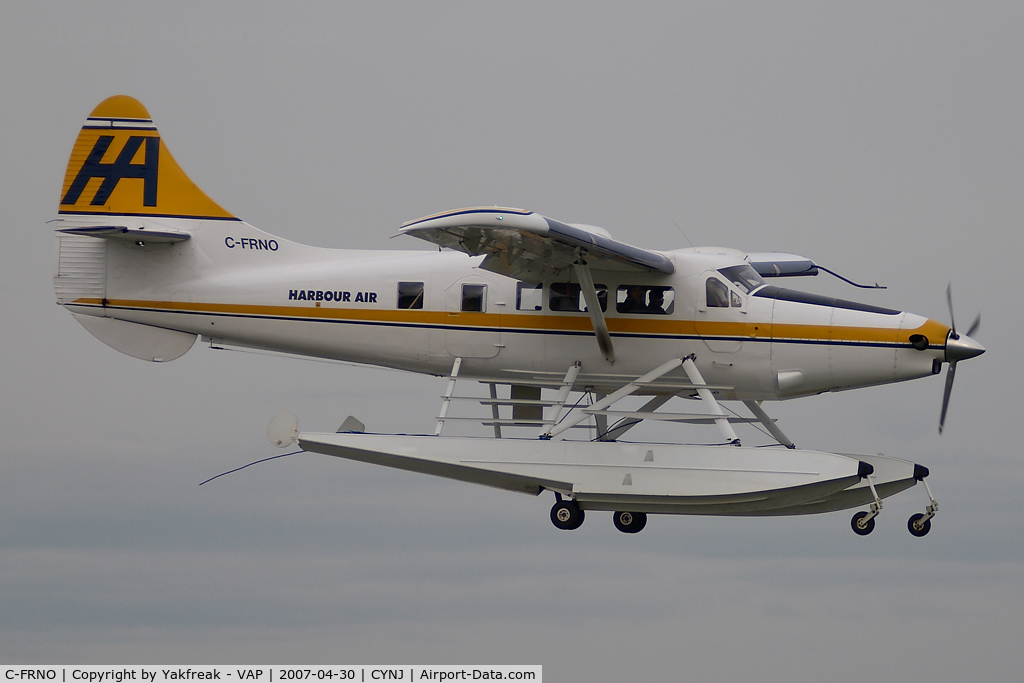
(120, 166)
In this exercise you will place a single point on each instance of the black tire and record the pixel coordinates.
(921, 529)
(867, 527)
(630, 522)
(566, 514)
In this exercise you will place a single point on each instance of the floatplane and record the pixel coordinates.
(535, 310)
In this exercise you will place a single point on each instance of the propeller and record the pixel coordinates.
(958, 348)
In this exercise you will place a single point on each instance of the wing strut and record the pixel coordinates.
(769, 423)
(604, 339)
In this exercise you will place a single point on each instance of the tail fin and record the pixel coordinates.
(120, 166)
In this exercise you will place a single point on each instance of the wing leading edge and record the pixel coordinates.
(528, 246)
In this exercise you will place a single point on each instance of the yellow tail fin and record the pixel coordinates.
(120, 166)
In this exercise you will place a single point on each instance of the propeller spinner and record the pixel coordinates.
(958, 347)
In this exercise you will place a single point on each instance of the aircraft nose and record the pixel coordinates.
(962, 347)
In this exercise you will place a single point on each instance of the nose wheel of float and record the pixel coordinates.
(863, 523)
(920, 524)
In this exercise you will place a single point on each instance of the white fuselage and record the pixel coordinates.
(235, 285)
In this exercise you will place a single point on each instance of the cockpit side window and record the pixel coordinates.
(717, 293)
(744, 277)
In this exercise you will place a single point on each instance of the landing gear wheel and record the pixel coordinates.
(566, 514)
(630, 522)
(862, 527)
(917, 527)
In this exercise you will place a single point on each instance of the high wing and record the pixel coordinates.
(530, 247)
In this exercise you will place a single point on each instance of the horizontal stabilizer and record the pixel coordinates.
(120, 232)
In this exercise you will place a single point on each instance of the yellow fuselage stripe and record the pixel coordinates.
(936, 332)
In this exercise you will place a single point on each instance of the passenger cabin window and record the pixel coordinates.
(473, 298)
(528, 297)
(568, 296)
(410, 295)
(645, 299)
(717, 293)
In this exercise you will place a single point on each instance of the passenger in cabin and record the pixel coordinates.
(657, 304)
(634, 302)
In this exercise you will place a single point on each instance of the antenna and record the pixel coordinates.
(682, 233)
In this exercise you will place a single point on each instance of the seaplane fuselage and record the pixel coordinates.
(418, 310)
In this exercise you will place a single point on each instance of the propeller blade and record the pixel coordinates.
(950, 374)
(949, 302)
(974, 326)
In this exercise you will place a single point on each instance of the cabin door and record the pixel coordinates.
(472, 318)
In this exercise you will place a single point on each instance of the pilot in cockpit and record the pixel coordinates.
(717, 293)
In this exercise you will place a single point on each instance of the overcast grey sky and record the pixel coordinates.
(883, 140)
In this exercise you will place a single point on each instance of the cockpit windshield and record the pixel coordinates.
(744, 277)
